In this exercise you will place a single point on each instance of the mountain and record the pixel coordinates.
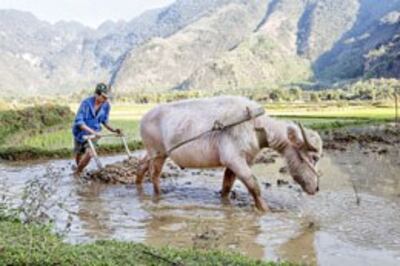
(37, 57)
(163, 63)
(203, 45)
(384, 59)
(375, 24)
(277, 42)
(267, 55)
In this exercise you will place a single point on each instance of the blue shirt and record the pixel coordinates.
(87, 115)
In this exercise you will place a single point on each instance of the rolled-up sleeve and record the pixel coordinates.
(105, 117)
(80, 115)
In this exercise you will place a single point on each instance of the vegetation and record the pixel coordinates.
(383, 61)
(32, 120)
(57, 142)
(375, 90)
(34, 153)
(35, 244)
(44, 131)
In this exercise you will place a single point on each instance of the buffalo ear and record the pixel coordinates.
(293, 137)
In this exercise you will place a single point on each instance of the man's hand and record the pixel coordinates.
(97, 135)
(118, 131)
(91, 131)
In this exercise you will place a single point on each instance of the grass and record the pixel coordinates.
(372, 113)
(325, 116)
(32, 120)
(34, 244)
(63, 138)
(55, 140)
(57, 143)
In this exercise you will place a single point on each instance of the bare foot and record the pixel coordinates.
(225, 200)
(262, 206)
(77, 173)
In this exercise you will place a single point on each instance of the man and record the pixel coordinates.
(93, 112)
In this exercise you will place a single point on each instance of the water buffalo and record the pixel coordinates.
(233, 148)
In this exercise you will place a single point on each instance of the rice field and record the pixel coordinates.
(127, 117)
(63, 138)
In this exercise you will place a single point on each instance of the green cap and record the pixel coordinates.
(102, 89)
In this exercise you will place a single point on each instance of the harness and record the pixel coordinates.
(219, 126)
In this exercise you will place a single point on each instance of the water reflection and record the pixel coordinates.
(190, 213)
(205, 228)
(92, 212)
(301, 247)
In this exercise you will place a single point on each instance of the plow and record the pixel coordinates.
(122, 172)
(91, 138)
(125, 171)
(119, 172)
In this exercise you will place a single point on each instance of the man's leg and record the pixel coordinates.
(83, 156)
(84, 161)
(78, 157)
(79, 150)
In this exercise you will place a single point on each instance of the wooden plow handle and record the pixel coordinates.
(90, 139)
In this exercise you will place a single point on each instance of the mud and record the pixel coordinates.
(371, 139)
(326, 229)
(368, 138)
(119, 172)
(124, 172)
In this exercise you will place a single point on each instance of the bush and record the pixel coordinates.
(32, 119)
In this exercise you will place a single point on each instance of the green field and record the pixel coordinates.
(63, 138)
(34, 244)
(58, 140)
(31, 244)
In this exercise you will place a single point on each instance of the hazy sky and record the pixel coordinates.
(88, 12)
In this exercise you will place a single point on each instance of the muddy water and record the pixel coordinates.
(326, 229)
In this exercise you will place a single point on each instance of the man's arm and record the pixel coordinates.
(80, 119)
(106, 124)
(88, 129)
(110, 128)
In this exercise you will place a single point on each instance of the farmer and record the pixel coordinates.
(92, 112)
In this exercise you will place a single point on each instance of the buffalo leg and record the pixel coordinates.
(229, 180)
(155, 171)
(243, 172)
(143, 167)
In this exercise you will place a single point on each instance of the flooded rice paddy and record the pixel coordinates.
(326, 229)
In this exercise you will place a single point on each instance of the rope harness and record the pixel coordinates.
(217, 126)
